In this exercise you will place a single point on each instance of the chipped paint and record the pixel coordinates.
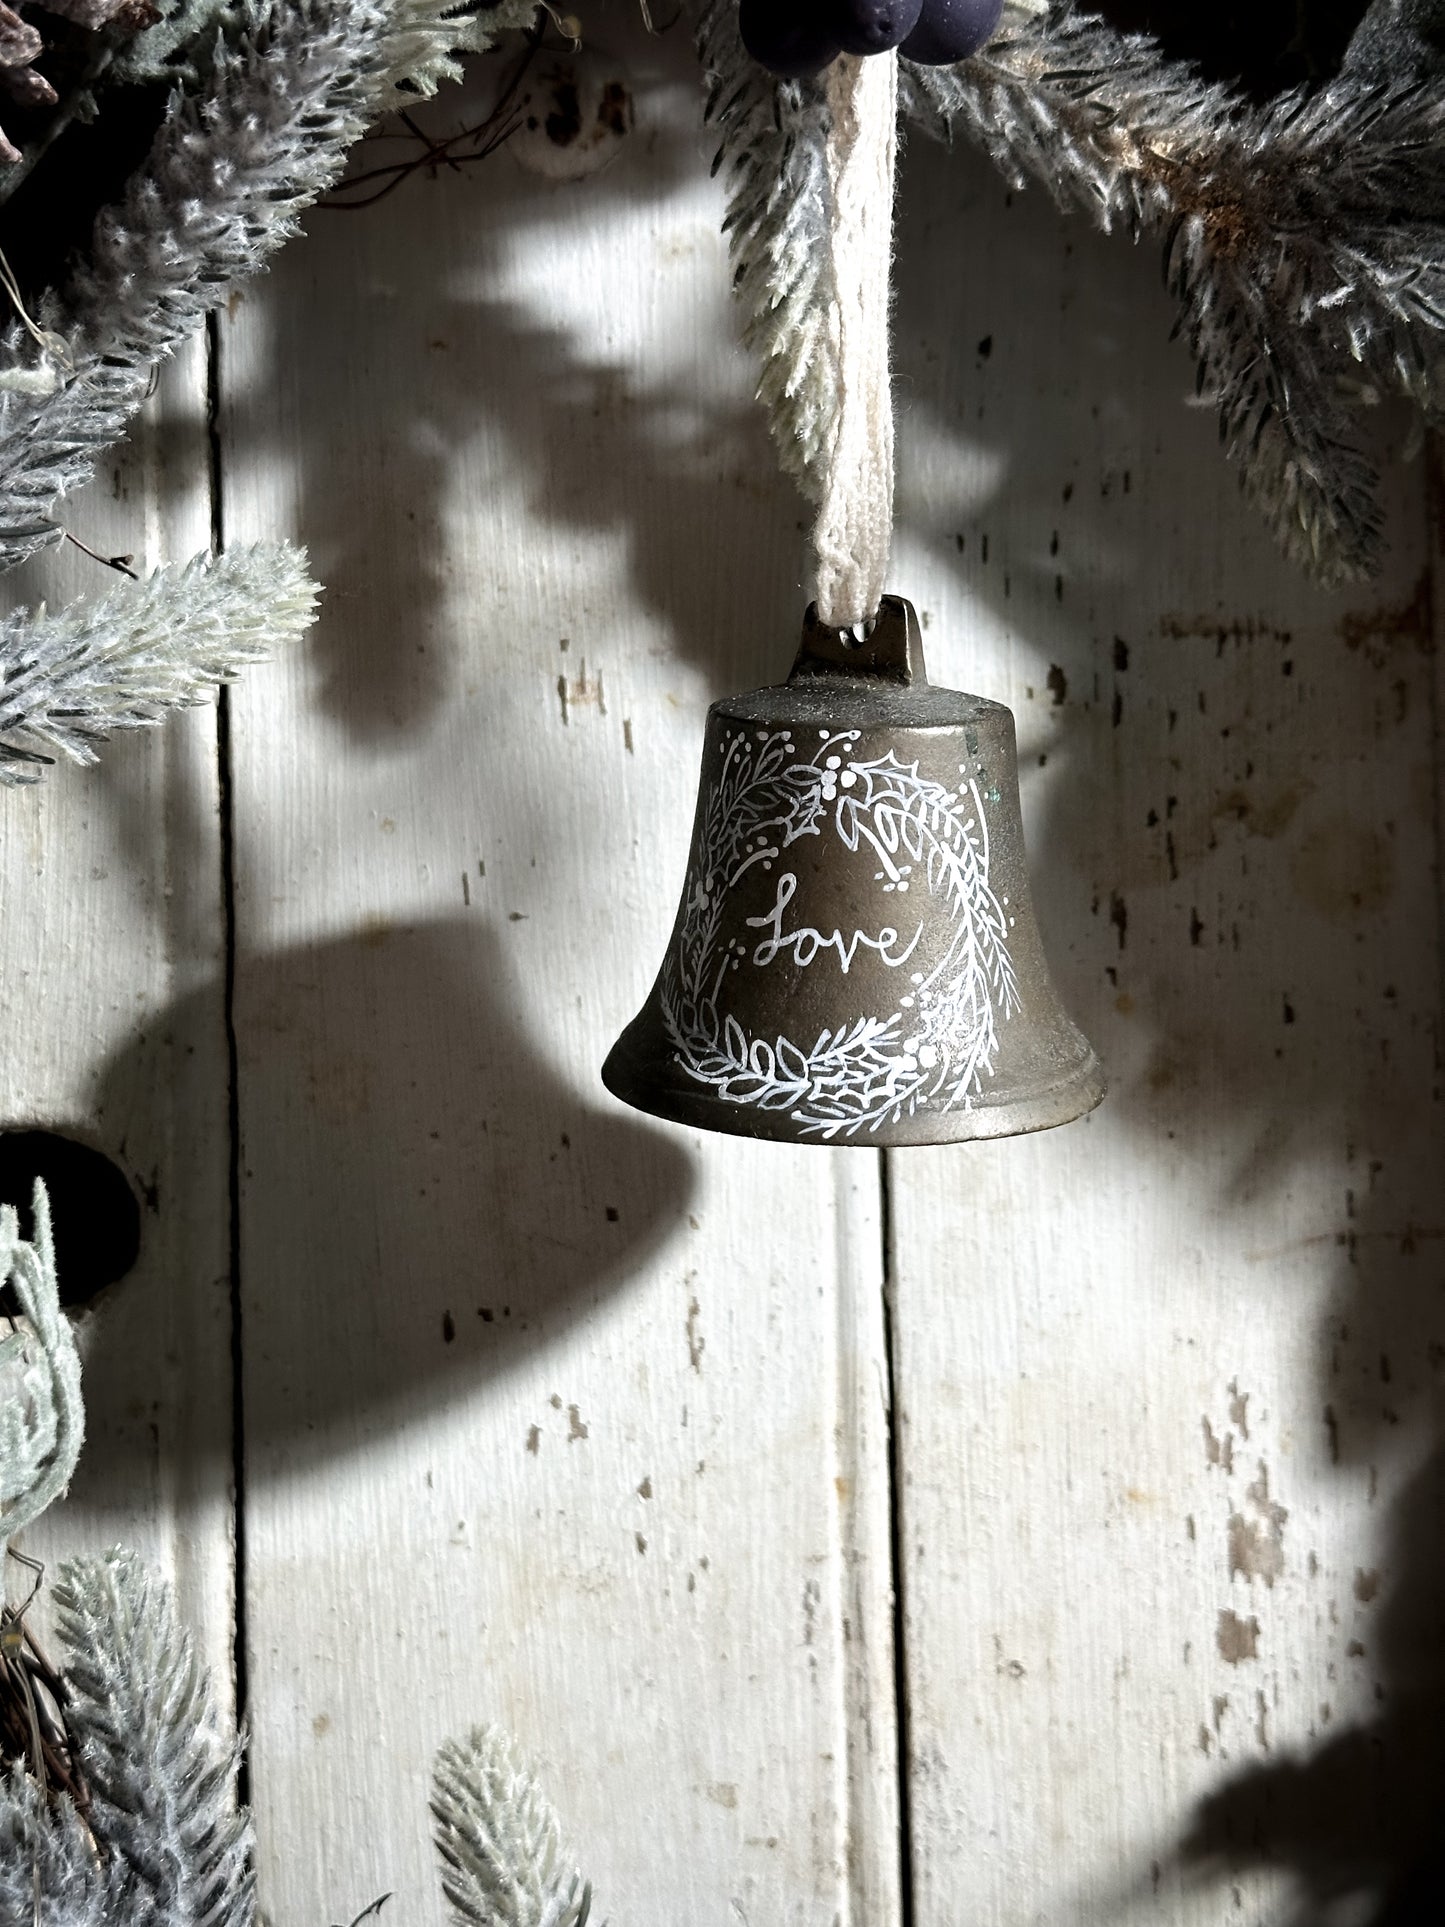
(1256, 1544)
(1218, 1451)
(1237, 1639)
(580, 692)
(1239, 1408)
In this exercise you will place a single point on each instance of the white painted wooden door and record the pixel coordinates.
(547, 1413)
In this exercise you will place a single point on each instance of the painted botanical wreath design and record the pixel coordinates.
(941, 1041)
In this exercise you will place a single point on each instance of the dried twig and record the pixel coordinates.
(485, 136)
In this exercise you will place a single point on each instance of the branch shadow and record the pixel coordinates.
(488, 392)
(1360, 1821)
(1244, 927)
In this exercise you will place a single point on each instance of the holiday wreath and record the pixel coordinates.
(1303, 236)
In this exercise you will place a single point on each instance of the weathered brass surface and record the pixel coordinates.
(855, 959)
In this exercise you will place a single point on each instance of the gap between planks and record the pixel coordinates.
(226, 811)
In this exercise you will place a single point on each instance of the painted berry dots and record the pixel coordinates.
(799, 38)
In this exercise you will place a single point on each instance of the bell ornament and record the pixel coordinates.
(855, 958)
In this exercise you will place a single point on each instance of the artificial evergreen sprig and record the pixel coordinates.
(42, 1414)
(499, 1839)
(163, 1840)
(772, 156)
(241, 154)
(162, 1773)
(71, 679)
(46, 1850)
(1304, 239)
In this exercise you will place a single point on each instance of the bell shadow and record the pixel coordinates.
(421, 1150)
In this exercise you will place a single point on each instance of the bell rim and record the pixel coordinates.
(1047, 1107)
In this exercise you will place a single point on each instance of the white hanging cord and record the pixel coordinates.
(854, 530)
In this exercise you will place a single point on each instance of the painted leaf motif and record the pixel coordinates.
(865, 1072)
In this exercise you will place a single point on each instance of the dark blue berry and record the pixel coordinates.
(791, 41)
(873, 26)
(950, 30)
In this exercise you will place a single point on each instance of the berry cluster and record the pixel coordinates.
(798, 38)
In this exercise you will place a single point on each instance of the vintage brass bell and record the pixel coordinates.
(855, 960)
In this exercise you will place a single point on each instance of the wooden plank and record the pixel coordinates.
(111, 964)
(1170, 1377)
(554, 1415)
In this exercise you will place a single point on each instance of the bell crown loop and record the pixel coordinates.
(890, 650)
(877, 679)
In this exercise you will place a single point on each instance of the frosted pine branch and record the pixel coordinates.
(47, 1848)
(424, 37)
(1059, 97)
(163, 1842)
(42, 1417)
(499, 1840)
(1305, 240)
(69, 680)
(774, 133)
(236, 162)
(162, 1774)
